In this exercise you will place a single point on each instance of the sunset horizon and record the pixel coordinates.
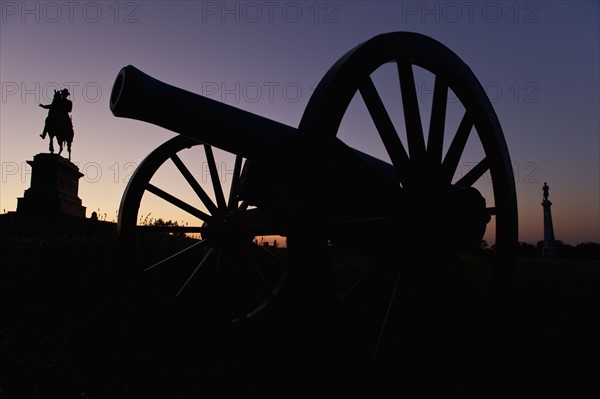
(549, 117)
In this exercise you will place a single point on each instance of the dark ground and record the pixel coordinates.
(73, 327)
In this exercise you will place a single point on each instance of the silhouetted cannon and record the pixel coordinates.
(328, 200)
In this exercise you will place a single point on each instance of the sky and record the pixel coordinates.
(537, 61)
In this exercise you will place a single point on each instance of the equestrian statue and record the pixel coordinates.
(58, 123)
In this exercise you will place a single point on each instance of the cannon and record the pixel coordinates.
(330, 201)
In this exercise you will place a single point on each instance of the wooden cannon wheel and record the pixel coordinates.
(411, 304)
(215, 270)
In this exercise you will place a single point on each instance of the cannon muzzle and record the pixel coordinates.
(137, 95)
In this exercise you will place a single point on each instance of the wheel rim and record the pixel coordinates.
(223, 272)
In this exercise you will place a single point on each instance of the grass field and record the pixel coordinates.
(66, 332)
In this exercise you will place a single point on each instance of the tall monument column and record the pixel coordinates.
(548, 248)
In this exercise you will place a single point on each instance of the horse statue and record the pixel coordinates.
(58, 123)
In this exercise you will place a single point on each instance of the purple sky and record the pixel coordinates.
(539, 63)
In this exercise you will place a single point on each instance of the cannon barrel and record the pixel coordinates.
(136, 95)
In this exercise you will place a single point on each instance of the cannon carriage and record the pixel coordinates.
(331, 202)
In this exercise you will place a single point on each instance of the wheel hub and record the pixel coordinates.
(457, 216)
(228, 230)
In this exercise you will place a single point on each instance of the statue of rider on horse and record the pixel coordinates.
(58, 122)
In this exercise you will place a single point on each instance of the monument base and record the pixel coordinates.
(53, 190)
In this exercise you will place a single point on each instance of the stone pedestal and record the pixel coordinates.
(53, 189)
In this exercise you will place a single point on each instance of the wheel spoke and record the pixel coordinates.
(214, 175)
(342, 296)
(210, 205)
(201, 243)
(236, 281)
(233, 201)
(204, 259)
(435, 139)
(474, 174)
(457, 148)
(412, 116)
(386, 129)
(264, 281)
(178, 203)
(387, 314)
